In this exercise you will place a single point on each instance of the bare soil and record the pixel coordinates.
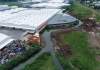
(59, 45)
(94, 40)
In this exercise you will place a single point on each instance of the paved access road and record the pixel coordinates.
(49, 48)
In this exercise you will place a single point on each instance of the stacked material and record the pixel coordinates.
(10, 51)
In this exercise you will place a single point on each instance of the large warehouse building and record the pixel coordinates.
(26, 19)
(20, 25)
(16, 22)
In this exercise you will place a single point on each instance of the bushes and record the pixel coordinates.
(43, 62)
(35, 46)
(97, 17)
(19, 59)
(39, 62)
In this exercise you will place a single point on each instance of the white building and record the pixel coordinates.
(31, 19)
(4, 40)
(49, 5)
(26, 19)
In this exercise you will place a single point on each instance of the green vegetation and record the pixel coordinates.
(19, 59)
(82, 12)
(82, 57)
(35, 46)
(9, 3)
(44, 62)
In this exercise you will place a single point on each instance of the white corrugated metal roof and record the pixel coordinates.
(8, 14)
(38, 0)
(50, 5)
(4, 40)
(4, 7)
(27, 19)
(56, 1)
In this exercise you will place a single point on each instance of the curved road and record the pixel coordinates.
(49, 48)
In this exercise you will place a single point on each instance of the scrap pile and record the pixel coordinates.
(10, 51)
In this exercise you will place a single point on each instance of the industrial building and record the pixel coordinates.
(22, 22)
(26, 19)
(4, 40)
(49, 5)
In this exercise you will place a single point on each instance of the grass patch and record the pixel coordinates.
(44, 62)
(82, 12)
(83, 58)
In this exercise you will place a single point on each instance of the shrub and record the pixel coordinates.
(43, 62)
